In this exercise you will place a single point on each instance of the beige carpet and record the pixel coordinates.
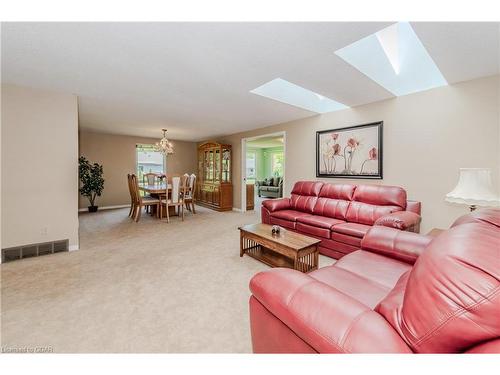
(136, 287)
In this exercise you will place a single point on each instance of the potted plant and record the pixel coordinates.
(92, 181)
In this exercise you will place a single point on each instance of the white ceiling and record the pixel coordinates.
(195, 78)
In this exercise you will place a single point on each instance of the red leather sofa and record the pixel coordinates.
(401, 293)
(341, 215)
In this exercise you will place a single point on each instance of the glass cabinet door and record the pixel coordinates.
(217, 165)
(226, 165)
(201, 170)
(210, 165)
(205, 166)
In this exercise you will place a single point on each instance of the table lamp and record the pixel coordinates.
(474, 188)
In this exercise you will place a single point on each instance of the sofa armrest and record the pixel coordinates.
(403, 220)
(393, 243)
(277, 204)
(323, 317)
(414, 206)
(259, 183)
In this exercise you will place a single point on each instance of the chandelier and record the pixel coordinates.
(164, 145)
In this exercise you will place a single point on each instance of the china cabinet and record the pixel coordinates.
(215, 188)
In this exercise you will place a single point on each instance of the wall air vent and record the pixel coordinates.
(34, 250)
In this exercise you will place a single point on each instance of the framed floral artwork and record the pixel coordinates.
(352, 152)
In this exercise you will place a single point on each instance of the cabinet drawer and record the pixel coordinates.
(207, 188)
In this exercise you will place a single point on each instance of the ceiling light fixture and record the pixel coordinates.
(164, 145)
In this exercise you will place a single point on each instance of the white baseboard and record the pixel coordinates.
(237, 209)
(73, 247)
(107, 207)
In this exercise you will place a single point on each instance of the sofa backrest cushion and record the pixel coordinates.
(452, 297)
(338, 191)
(305, 194)
(381, 195)
(370, 202)
(333, 200)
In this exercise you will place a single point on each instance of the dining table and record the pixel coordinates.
(158, 190)
(155, 189)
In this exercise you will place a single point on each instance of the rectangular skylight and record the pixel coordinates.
(289, 93)
(396, 59)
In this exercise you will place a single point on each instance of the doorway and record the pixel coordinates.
(263, 169)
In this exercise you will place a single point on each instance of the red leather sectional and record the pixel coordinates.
(340, 215)
(401, 293)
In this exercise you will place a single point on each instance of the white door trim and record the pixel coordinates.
(244, 163)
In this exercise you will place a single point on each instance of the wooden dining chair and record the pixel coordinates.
(131, 192)
(176, 198)
(150, 178)
(190, 191)
(140, 201)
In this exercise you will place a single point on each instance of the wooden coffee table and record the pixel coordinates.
(286, 249)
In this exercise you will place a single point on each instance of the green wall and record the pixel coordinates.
(267, 159)
(259, 162)
(263, 161)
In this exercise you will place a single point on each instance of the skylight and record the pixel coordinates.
(396, 59)
(289, 93)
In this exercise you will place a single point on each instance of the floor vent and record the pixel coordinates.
(34, 250)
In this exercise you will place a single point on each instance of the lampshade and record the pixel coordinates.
(474, 188)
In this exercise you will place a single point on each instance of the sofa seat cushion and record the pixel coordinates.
(312, 230)
(319, 221)
(352, 229)
(374, 267)
(290, 215)
(344, 238)
(339, 247)
(353, 284)
(282, 223)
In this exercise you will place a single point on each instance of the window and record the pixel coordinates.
(251, 165)
(277, 163)
(149, 161)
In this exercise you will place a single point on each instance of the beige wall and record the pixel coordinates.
(428, 136)
(39, 166)
(116, 153)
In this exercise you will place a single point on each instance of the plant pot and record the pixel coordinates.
(93, 208)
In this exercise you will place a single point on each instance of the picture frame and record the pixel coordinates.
(351, 152)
